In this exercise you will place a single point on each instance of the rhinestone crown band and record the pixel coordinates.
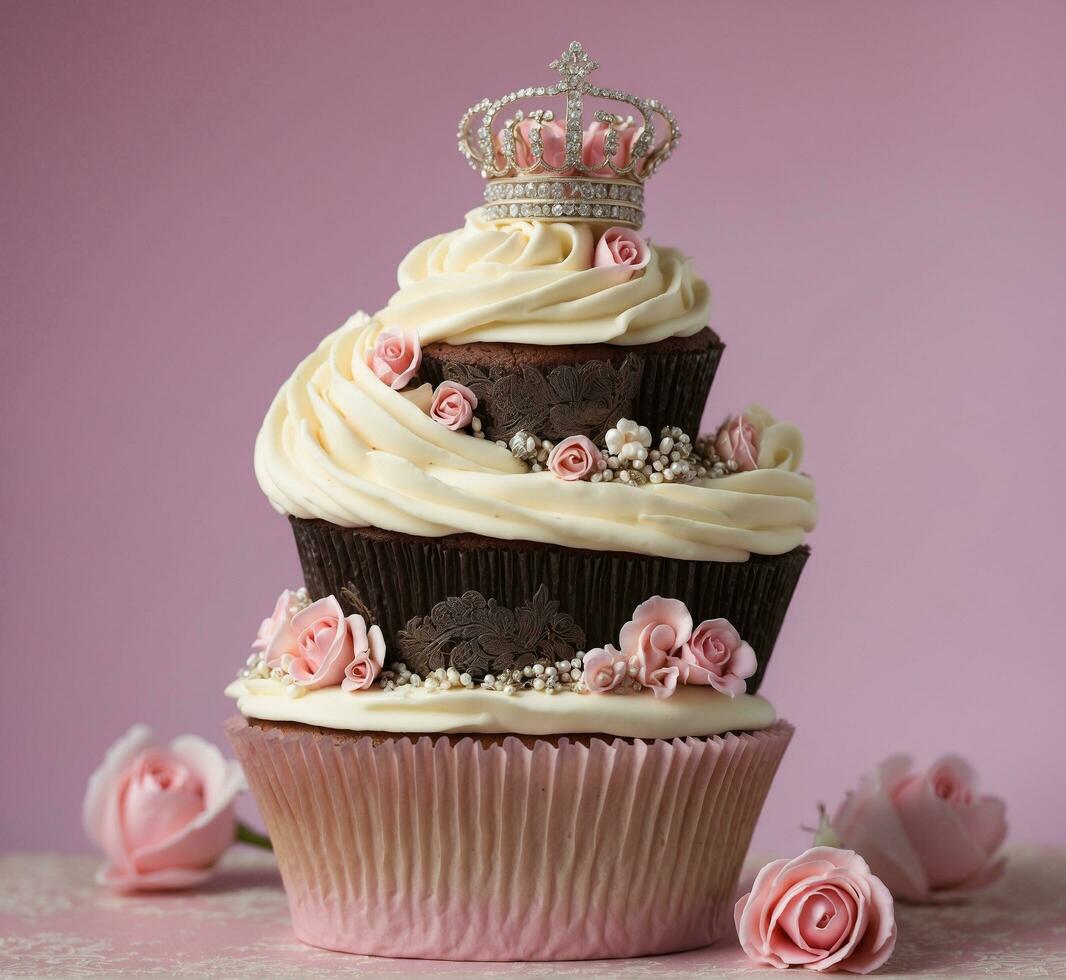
(584, 180)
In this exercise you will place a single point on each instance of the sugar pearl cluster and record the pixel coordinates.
(298, 601)
(564, 675)
(634, 456)
(716, 467)
(399, 676)
(529, 448)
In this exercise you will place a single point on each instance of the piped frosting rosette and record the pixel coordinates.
(340, 445)
(531, 282)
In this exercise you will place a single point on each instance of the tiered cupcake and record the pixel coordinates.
(512, 713)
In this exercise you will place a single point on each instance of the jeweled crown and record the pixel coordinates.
(536, 168)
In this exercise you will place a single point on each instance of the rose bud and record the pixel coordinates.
(396, 357)
(738, 441)
(928, 835)
(453, 405)
(317, 645)
(575, 458)
(163, 814)
(622, 249)
(823, 910)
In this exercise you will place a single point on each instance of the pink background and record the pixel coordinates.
(196, 193)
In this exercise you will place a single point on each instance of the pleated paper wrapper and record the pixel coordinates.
(508, 848)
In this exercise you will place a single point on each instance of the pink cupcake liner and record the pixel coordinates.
(508, 848)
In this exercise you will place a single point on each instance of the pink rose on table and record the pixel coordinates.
(396, 357)
(823, 910)
(163, 814)
(620, 247)
(657, 631)
(316, 645)
(552, 141)
(715, 655)
(928, 835)
(453, 405)
(738, 440)
(575, 458)
(278, 618)
(602, 670)
(594, 151)
(369, 656)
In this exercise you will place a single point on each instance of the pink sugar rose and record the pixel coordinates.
(738, 439)
(715, 655)
(163, 814)
(576, 458)
(369, 657)
(928, 835)
(278, 618)
(622, 248)
(593, 151)
(453, 405)
(552, 141)
(316, 645)
(823, 910)
(602, 670)
(651, 640)
(396, 357)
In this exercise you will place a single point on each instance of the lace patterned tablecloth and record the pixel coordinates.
(55, 923)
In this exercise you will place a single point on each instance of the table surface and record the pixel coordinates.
(54, 922)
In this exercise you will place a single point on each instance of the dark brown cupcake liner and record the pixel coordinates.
(399, 577)
(555, 392)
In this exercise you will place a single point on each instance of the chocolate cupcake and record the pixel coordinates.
(401, 578)
(563, 391)
(512, 715)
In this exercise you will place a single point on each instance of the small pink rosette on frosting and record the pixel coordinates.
(928, 835)
(594, 150)
(603, 669)
(369, 657)
(823, 910)
(738, 440)
(316, 646)
(396, 357)
(715, 655)
(163, 814)
(276, 621)
(453, 405)
(658, 629)
(623, 249)
(576, 458)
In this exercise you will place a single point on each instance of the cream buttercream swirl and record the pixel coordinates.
(691, 711)
(533, 282)
(338, 444)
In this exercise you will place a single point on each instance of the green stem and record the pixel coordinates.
(246, 835)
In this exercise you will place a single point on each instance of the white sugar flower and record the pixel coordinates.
(627, 440)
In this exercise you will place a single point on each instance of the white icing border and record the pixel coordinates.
(691, 711)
